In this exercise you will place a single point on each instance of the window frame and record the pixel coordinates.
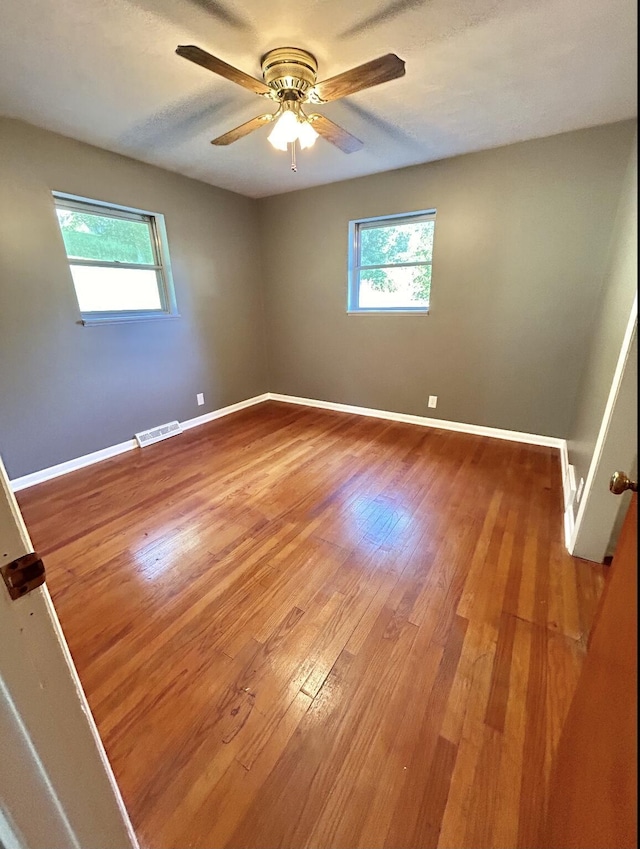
(356, 226)
(160, 248)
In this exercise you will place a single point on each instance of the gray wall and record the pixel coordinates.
(520, 251)
(608, 326)
(67, 390)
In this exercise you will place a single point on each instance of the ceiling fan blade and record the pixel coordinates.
(244, 129)
(212, 63)
(334, 134)
(379, 70)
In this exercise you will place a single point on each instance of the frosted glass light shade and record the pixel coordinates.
(285, 131)
(306, 134)
(289, 128)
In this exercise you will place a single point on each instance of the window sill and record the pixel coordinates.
(126, 319)
(387, 312)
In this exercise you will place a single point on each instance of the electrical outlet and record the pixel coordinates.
(433, 400)
(200, 398)
(579, 492)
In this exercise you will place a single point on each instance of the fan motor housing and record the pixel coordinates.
(289, 69)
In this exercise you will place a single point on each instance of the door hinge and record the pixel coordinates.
(23, 574)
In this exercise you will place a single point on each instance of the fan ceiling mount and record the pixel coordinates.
(289, 75)
(289, 69)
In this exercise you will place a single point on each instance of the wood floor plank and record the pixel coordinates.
(500, 676)
(302, 628)
(483, 807)
(417, 679)
(532, 786)
(511, 764)
(406, 825)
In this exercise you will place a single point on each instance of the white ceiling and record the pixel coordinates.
(480, 73)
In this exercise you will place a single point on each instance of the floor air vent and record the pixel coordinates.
(148, 437)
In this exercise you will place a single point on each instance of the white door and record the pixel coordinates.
(56, 786)
(616, 448)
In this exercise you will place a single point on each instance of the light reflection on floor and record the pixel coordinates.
(377, 521)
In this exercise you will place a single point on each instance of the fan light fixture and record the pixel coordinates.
(290, 79)
(292, 126)
(290, 129)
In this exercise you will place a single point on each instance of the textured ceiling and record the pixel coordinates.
(480, 73)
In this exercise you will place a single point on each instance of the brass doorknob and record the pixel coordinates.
(620, 483)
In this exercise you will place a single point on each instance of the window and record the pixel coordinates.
(390, 263)
(118, 259)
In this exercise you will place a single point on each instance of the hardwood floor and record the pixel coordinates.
(301, 628)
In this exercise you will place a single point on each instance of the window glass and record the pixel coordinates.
(90, 236)
(395, 288)
(118, 259)
(411, 242)
(103, 290)
(390, 263)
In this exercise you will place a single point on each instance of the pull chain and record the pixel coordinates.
(294, 167)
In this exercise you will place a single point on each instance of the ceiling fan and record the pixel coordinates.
(289, 75)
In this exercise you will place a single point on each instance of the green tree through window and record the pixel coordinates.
(118, 259)
(89, 236)
(405, 244)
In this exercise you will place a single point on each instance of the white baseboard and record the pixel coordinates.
(564, 464)
(569, 486)
(113, 450)
(569, 525)
(569, 493)
(423, 421)
(224, 411)
(71, 465)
